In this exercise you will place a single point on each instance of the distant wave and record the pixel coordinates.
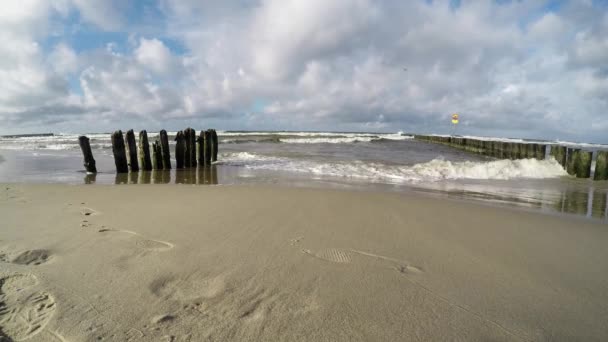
(434, 170)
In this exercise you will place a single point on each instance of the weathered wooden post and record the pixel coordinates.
(559, 153)
(570, 161)
(187, 154)
(207, 144)
(118, 149)
(144, 151)
(583, 167)
(89, 161)
(601, 166)
(200, 141)
(157, 157)
(519, 150)
(531, 151)
(215, 145)
(132, 148)
(540, 151)
(179, 150)
(192, 143)
(164, 147)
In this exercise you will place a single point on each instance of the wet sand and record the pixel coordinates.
(259, 263)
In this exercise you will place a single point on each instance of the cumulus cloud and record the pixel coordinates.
(510, 68)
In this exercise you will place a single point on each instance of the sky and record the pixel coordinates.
(531, 69)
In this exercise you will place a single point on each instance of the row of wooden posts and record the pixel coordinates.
(576, 161)
(129, 158)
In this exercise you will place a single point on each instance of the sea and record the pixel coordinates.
(392, 162)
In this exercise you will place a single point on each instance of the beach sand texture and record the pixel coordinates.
(255, 263)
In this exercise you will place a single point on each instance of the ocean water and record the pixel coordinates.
(361, 161)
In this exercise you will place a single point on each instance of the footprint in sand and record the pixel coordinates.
(345, 256)
(188, 289)
(140, 241)
(88, 211)
(23, 313)
(14, 195)
(32, 257)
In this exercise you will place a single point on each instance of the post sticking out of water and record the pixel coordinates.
(144, 151)
(118, 149)
(601, 166)
(215, 145)
(192, 147)
(200, 141)
(583, 167)
(541, 151)
(572, 155)
(132, 148)
(207, 144)
(157, 156)
(89, 161)
(179, 150)
(187, 155)
(559, 153)
(165, 152)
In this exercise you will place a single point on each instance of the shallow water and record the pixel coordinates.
(361, 161)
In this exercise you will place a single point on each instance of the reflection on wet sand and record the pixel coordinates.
(145, 177)
(581, 201)
(185, 176)
(592, 204)
(203, 175)
(90, 178)
(121, 178)
(207, 175)
(161, 176)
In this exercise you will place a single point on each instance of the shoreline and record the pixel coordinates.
(252, 262)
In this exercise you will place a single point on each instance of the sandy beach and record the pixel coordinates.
(261, 263)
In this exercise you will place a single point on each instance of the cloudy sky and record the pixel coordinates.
(510, 68)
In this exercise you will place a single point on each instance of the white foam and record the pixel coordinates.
(432, 171)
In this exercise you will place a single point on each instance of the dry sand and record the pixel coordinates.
(195, 263)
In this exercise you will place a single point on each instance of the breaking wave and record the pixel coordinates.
(434, 170)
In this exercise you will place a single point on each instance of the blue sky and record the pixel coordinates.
(510, 68)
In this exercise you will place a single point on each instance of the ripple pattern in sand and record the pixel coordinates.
(333, 255)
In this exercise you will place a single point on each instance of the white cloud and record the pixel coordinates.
(153, 54)
(514, 68)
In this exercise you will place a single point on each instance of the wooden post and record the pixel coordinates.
(215, 145)
(559, 153)
(527, 151)
(601, 166)
(540, 151)
(164, 148)
(583, 167)
(179, 150)
(157, 156)
(515, 151)
(144, 151)
(207, 143)
(201, 148)
(132, 148)
(570, 161)
(190, 147)
(192, 143)
(89, 161)
(531, 151)
(118, 149)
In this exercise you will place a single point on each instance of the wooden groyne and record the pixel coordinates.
(576, 162)
(129, 157)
